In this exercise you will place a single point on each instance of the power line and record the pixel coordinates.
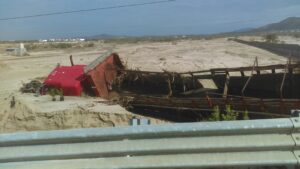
(86, 10)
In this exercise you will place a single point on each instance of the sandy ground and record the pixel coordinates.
(39, 113)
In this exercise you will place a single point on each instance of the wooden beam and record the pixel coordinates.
(226, 85)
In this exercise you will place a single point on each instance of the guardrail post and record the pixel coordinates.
(139, 122)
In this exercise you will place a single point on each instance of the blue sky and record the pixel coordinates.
(177, 17)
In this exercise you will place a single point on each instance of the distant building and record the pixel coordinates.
(65, 40)
(43, 40)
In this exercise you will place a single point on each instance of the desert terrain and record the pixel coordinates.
(40, 113)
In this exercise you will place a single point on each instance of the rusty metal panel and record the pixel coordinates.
(272, 107)
(102, 72)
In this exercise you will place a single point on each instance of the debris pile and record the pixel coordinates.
(33, 86)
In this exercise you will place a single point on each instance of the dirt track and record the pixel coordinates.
(184, 55)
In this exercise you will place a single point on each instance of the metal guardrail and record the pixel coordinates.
(272, 142)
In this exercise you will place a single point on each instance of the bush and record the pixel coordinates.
(215, 116)
(227, 115)
(61, 45)
(271, 38)
(31, 46)
(230, 114)
(90, 44)
(246, 115)
(54, 91)
(296, 35)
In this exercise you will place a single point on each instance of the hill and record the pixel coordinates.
(288, 24)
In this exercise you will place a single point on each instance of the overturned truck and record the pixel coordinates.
(264, 91)
(94, 79)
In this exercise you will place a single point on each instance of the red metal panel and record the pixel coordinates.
(67, 79)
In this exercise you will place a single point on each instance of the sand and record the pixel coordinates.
(32, 113)
(40, 113)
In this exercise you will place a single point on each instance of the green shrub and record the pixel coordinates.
(246, 115)
(215, 116)
(227, 115)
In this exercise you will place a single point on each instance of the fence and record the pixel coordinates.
(251, 143)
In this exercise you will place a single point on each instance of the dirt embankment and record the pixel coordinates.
(23, 117)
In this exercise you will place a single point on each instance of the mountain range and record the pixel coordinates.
(286, 25)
